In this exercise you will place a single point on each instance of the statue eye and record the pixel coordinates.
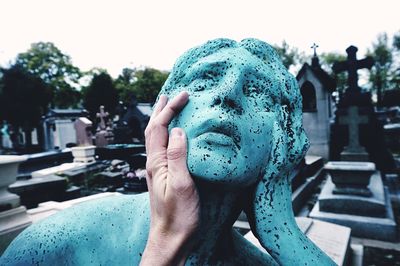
(249, 90)
(209, 74)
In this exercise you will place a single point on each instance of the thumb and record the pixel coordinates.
(178, 173)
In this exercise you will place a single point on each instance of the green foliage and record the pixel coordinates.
(396, 41)
(46, 61)
(290, 56)
(327, 60)
(384, 73)
(101, 91)
(23, 99)
(125, 85)
(143, 84)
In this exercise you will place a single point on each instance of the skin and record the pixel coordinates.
(241, 132)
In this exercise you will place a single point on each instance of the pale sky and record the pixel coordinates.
(117, 34)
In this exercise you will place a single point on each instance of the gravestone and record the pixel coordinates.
(354, 136)
(85, 151)
(353, 151)
(316, 87)
(354, 198)
(58, 128)
(83, 128)
(104, 135)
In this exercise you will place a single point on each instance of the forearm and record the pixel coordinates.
(279, 233)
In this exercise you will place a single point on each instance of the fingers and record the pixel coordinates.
(179, 177)
(162, 101)
(159, 127)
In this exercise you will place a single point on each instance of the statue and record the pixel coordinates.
(244, 131)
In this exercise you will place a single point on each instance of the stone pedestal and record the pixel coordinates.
(354, 156)
(13, 218)
(368, 217)
(83, 154)
(351, 178)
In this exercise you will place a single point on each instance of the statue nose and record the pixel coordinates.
(230, 95)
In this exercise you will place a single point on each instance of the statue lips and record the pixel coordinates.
(215, 132)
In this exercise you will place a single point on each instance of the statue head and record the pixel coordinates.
(243, 120)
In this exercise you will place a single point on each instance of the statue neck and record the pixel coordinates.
(219, 209)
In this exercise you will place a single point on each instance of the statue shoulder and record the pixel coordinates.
(86, 233)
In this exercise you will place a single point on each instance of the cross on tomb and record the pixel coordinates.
(353, 120)
(314, 46)
(351, 65)
(102, 115)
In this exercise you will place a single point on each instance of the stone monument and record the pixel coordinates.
(104, 135)
(244, 129)
(353, 151)
(13, 217)
(354, 196)
(316, 87)
(85, 151)
(357, 135)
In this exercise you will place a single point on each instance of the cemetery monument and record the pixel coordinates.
(244, 127)
(316, 87)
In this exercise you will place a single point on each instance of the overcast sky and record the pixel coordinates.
(116, 34)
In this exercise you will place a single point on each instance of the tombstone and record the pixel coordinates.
(316, 87)
(353, 151)
(356, 130)
(58, 128)
(85, 151)
(83, 128)
(104, 135)
(13, 217)
(354, 196)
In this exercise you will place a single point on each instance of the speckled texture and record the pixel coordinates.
(244, 127)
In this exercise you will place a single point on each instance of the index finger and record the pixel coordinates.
(172, 108)
(159, 135)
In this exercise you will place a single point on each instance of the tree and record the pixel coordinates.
(327, 60)
(143, 84)
(290, 56)
(124, 84)
(23, 99)
(45, 60)
(148, 84)
(379, 74)
(101, 91)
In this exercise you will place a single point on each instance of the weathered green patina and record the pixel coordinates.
(244, 127)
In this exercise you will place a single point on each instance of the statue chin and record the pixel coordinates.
(215, 167)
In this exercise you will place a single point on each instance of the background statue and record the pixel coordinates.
(244, 133)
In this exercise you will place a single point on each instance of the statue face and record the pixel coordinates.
(229, 117)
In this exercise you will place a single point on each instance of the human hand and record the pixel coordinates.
(174, 201)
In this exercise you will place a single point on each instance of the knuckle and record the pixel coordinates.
(176, 153)
(183, 187)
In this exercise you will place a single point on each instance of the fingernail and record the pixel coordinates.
(176, 132)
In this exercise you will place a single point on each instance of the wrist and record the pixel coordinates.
(165, 248)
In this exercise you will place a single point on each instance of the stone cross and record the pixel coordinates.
(353, 120)
(314, 46)
(102, 115)
(351, 65)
